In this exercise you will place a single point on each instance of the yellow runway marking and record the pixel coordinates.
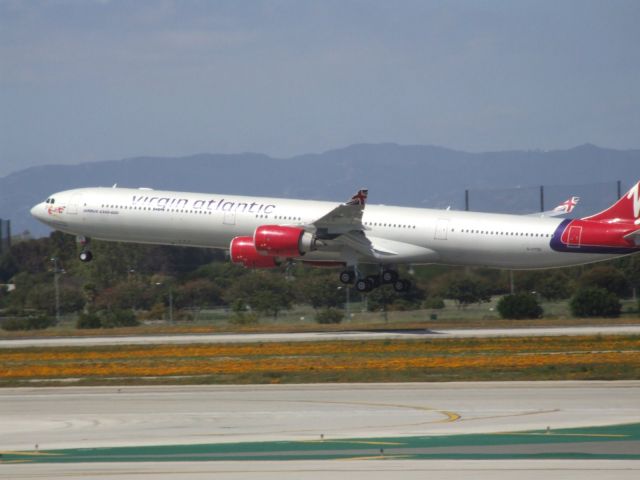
(510, 415)
(451, 416)
(34, 454)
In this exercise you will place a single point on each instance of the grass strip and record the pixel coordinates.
(433, 359)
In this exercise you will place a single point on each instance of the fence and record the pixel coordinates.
(594, 197)
(5, 235)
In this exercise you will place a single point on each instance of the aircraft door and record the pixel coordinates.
(442, 228)
(575, 234)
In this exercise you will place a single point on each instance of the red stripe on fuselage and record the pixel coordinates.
(595, 237)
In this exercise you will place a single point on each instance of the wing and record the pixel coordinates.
(342, 228)
(343, 219)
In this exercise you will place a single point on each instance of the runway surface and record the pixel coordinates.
(71, 417)
(323, 422)
(318, 336)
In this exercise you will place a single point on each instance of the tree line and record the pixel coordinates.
(127, 283)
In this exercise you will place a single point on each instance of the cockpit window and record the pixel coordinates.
(53, 200)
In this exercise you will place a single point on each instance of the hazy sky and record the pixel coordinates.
(88, 80)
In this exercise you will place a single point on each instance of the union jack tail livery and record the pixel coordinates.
(567, 206)
(359, 198)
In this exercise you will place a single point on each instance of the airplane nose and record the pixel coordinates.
(36, 211)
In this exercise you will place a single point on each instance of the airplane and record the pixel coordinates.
(264, 232)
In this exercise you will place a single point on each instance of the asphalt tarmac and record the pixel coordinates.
(493, 430)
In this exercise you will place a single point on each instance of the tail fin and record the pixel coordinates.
(625, 210)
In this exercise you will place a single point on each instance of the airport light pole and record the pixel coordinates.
(170, 301)
(348, 301)
(56, 286)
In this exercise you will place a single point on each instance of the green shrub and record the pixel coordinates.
(15, 323)
(466, 289)
(118, 318)
(37, 321)
(88, 320)
(40, 321)
(243, 318)
(519, 306)
(595, 302)
(329, 315)
(608, 278)
(433, 303)
(553, 285)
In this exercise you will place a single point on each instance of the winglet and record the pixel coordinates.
(359, 198)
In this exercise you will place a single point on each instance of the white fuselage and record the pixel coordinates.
(210, 220)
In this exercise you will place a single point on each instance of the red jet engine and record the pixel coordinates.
(243, 250)
(279, 241)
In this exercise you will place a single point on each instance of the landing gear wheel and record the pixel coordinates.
(401, 285)
(86, 256)
(364, 285)
(389, 276)
(374, 281)
(347, 277)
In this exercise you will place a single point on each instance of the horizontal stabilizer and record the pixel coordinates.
(633, 237)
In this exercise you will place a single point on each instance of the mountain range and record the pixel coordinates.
(422, 176)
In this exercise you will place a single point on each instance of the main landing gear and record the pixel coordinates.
(365, 284)
(85, 253)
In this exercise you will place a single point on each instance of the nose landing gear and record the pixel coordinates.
(85, 253)
(86, 256)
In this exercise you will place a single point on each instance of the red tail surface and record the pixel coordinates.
(625, 210)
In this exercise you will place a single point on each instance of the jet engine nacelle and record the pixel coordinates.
(242, 250)
(276, 240)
